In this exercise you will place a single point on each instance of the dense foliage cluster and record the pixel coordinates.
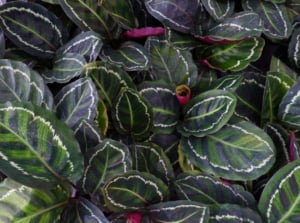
(149, 111)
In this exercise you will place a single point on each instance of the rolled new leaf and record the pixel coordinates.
(239, 151)
(32, 27)
(134, 191)
(207, 113)
(280, 199)
(36, 148)
(19, 203)
(132, 114)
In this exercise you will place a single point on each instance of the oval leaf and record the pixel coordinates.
(76, 101)
(239, 151)
(294, 47)
(19, 203)
(207, 113)
(233, 56)
(32, 27)
(128, 110)
(179, 211)
(47, 151)
(219, 9)
(134, 191)
(280, 199)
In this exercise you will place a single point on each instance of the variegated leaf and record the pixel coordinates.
(82, 210)
(239, 26)
(280, 199)
(161, 97)
(239, 151)
(207, 113)
(20, 83)
(279, 66)
(228, 82)
(233, 213)
(288, 111)
(219, 9)
(47, 152)
(76, 101)
(106, 160)
(87, 44)
(171, 64)
(277, 84)
(276, 22)
(32, 27)
(128, 110)
(209, 190)
(179, 211)
(148, 157)
(19, 203)
(181, 41)
(131, 56)
(294, 47)
(233, 56)
(87, 134)
(108, 79)
(65, 68)
(293, 8)
(2, 44)
(134, 191)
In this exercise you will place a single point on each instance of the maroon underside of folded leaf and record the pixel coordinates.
(143, 32)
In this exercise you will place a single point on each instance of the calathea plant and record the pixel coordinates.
(149, 111)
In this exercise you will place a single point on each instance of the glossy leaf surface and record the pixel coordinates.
(219, 9)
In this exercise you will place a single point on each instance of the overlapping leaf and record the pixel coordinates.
(179, 211)
(233, 56)
(228, 82)
(288, 111)
(32, 27)
(278, 65)
(19, 203)
(134, 191)
(76, 101)
(20, 83)
(280, 199)
(161, 96)
(294, 47)
(36, 148)
(219, 9)
(2, 44)
(239, 151)
(106, 160)
(207, 113)
(128, 110)
(108, 79)
(171, 64)
(209, 190)
(131, 56)
(180, 40)
(276, 22)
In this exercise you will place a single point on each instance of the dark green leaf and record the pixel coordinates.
(229, 82)
(32, 27)
(37, 149)
(132, 114)
(279, 66)
(131, 56)
(180, 40)
(277, 84)
(171, 64)
(294, 47)
(209, 190)
(207, 113)
(288, 111)
(65, 68)
(134, 191)
(239, 151)
(82, 210)
(148, 157)
(276, 22)
(161, 97)
(109, 79)
(219, 9)
(237, 27)
(106, 160)
(20, 83)
(280, 199)
(233, 56)
(87, 44)
(179, 211)
(233, 213)
(76, 101)
(19, 203)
